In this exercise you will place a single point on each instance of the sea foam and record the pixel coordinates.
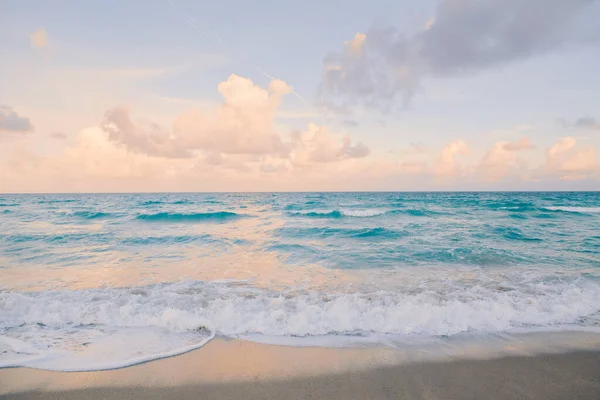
(114, 327)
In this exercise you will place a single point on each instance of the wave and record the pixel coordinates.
(418, 212)
(513, 206)
(512, 233)
(151, 202)
(318, 214)
(190, 217)
(90, 214)
(579, 210)
(159, 202)
(365, 213)
(57, 201)
(340, 213)
(114, 327)
(157, 240)
(324, 232)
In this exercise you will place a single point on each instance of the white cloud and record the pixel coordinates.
(242, 124)
(502, 160)
(447, 164)
(318, 145)
(570, 162)
(522, 144)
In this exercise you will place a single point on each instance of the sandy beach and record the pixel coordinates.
(233, 369)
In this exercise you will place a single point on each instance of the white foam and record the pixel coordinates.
(575, 209)
(109, 328)
(369, 212)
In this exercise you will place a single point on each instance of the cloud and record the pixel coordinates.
(354, 47)
(238, 132)
(242, 124)
(583, 123)
(522, 144)
(569, 162)
(447, 165)
(151, 140)
(502, 160)
(383, 65)
(10, 121)
(58, 135)
(39, 38)
(95, 162)
(318, 145)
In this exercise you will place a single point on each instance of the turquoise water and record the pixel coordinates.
(98, 281)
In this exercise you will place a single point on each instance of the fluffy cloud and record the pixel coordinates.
(522, 144)
(151, 140)
(10, 121)
(224, 146)
(242, 124)
(502, 160)
(318, 145)
(239, 131)
(94, 162)
(39, 38)
(377, 68)
(447, 164)
(570, 162)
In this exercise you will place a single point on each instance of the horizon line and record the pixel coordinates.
(302, 191)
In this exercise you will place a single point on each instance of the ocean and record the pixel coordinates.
(100, 281)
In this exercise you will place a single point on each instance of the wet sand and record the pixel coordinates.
(245, 370)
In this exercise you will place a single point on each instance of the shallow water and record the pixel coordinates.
(101, 281)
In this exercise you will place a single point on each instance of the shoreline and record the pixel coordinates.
(225, 369)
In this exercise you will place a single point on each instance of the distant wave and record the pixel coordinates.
(377, 232)
(158, 202)
(514, 206)
(324, 232)
(365, 213)
(299, 206)
(157, 240)
(417, 212)
(340, 213)
(319, 214)
(8, 204)
(57, 201)
(190, 217)
(581, 210)
(511, 233)
(151, 202)
(90, 214)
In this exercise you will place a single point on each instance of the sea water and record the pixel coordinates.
(97, 281)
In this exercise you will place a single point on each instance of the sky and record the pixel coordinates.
(329, 95)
